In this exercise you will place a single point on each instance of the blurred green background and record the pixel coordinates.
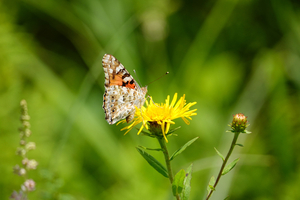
(229, 56)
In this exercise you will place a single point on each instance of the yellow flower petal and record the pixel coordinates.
(161, 114)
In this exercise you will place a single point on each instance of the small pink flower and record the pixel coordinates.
(32, 164)
(29, 185)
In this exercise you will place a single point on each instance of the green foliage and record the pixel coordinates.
(150, 149)
(219, 154)
(230, 166)
(177, 185)
(211, 184)
(185, 195)
(181, 149)
(154, 163)
(239, 145)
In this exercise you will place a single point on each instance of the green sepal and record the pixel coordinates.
(245, 131)
(185, 195)
(150, 149)
(229, 167)
(154, 163)
(219, 154)
(226, 198)
(181, 149)
(211, 184)
(239, 145)
(171, 131)
(177, 185)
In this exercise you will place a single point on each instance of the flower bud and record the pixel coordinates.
(25, 118)
(19, 171)
(32, 164)
(29, 185)
(26, 124)
(25, 161)
(30, 146)
(22, 172)
(239, 123)
(27, 132)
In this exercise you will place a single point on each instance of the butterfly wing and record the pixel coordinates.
(122, 93)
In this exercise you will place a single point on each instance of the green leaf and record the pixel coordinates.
(185, 195)
(219, 154)
(181, 149)
(247, 132)
(154, 163)
(211, 187)
(229, 167)
(226, 198)
(146, 148)
(211, 184)
(177, 185)
(240, 145)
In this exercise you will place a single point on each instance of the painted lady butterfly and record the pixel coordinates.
(122, 92)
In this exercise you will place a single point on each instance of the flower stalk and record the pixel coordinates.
(233, 143)
(164, 148)
(238, 125)
(22, 151)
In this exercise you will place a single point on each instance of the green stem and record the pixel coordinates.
(163, 146)
(236, 135)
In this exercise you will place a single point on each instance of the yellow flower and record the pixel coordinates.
(158, 117)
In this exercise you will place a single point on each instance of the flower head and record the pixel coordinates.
(239, 123)
(157, 118)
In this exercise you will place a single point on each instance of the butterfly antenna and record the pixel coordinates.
(158, 78)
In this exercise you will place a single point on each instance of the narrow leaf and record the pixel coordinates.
(219, 154)
(229, 167)
(240, 145)
(185, 195)
(211, 184)
(146, 148)
(181, 149)
(177, 185)
(154, 163)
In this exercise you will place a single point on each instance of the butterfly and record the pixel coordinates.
(122, 93)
